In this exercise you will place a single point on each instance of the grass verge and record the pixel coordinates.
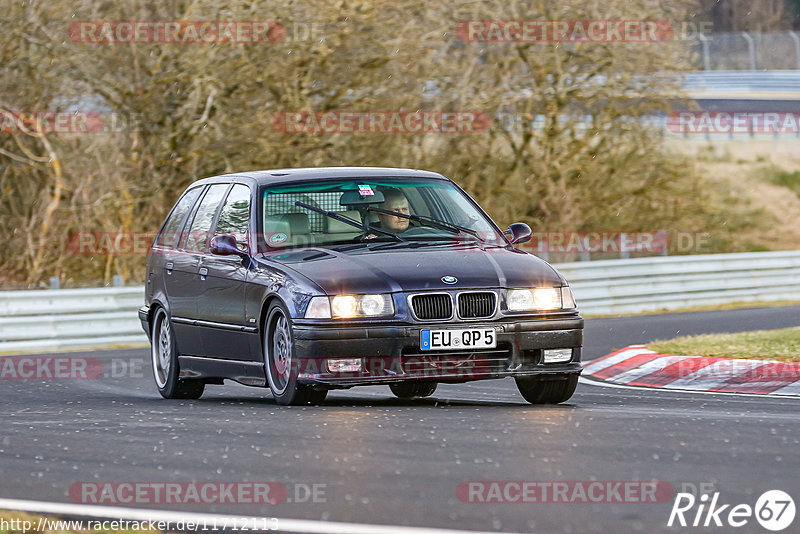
(781, 345)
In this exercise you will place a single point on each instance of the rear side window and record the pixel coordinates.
(235, 215)
(172, 227)
(201, 225)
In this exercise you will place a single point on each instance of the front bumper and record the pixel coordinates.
(144, 318)
(392, 353)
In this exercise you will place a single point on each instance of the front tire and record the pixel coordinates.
(409, 390)
(164, 356)
(280, 361)
(550, 389)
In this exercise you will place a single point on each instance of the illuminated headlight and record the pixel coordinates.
(344, 306)
(557, 355)
(373, 305)
(349, 306)
(540, 298)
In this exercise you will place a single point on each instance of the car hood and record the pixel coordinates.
(422, 269)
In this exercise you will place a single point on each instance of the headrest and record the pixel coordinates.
(287, 223)
(298, 223)
(332, 226)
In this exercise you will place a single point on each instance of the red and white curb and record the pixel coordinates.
(638, 366)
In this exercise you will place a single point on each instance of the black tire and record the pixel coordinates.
(409, 390)
(279, 361)
(550, 389)
(164, 359)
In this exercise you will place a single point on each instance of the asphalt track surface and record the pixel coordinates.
(383, 461)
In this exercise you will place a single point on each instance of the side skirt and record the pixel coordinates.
(247, 373)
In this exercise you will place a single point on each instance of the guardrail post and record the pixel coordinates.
(751, 48)
(624, 253)
(706, 55)
(662, 234)
(796, 39)
(55, 283)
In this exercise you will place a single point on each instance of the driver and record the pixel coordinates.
(394, 200)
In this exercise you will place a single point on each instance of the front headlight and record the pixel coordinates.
(319, 308)
(539, 299)
(567, 299)
(350, 306)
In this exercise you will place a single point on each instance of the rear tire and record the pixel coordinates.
(551, 389)
(279, 359)
(164, 356)
(409, 390)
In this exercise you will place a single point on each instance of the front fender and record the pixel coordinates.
(266, 281)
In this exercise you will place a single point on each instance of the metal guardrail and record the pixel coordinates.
(72, 318)
(668, 283)
(717, 84)
(42, 320)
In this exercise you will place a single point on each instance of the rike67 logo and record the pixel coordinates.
(774, 510)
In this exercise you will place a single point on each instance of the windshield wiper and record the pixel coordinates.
(443, 225)
(422, 244)
(348, 220)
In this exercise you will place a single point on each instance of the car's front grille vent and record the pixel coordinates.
(438, 306)
(457, 364)
(474, 305)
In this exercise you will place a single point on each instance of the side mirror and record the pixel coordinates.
(225, 245)
(520, 233)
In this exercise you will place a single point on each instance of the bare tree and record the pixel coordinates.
(578, 153)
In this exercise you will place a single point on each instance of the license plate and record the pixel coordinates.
(471, 338)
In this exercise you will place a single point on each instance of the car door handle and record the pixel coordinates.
(203, 272)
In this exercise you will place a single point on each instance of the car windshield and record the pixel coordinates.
(353, 210)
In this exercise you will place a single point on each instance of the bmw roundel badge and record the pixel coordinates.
(449, 279)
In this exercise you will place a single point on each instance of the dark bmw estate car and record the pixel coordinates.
(307, 280)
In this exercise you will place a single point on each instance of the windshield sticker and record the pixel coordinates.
(365, 190)
(278, 238)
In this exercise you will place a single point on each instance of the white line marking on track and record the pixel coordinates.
(283, 525)
(591, 382)
(791, 389)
